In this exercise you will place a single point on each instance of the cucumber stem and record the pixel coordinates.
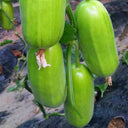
(77, 53)
(26, 86)
(42, 109)
(69, 69)
(69, 75)
(74, 24)
(47, 116)
(70, 14)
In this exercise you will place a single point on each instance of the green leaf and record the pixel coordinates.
(69, 34)
(11, 89)
(17, 82)
(26, 78)
(102, 88)
(125, 57)
(16, 68)
(6, 42)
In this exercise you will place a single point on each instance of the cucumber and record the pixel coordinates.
(42, 21)
(83, 90)
(8, 9)
(96, 37)
(48, 84)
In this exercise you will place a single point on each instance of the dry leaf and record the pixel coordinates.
(117, 122)
(17, 53)
(15, 22)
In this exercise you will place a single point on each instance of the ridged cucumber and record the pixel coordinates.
(42, 21)
(8, 9)
(48, 84)
(83, 89)
(96, 37)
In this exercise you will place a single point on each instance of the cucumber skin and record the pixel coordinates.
(96, 38)
(42, 21)
(83, 88)
(48, 84)
(8, 9)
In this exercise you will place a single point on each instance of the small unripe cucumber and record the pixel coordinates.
(42, 21)
(96, 37)
(83, 89)
(48, 84)
(8, 9)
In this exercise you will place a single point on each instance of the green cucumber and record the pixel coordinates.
(42, 21)
(96, 37)
(48, 84)
(83, 90)
(8, 9)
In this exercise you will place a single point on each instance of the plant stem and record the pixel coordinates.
(77, 54)
(46, 116)
(74, 24)
(18, 64)
(22, 67)
(69, 70)
(27, 88)
(26, 84)
(42, 109)
(70, 14)
(69, 75)
(16, 33)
